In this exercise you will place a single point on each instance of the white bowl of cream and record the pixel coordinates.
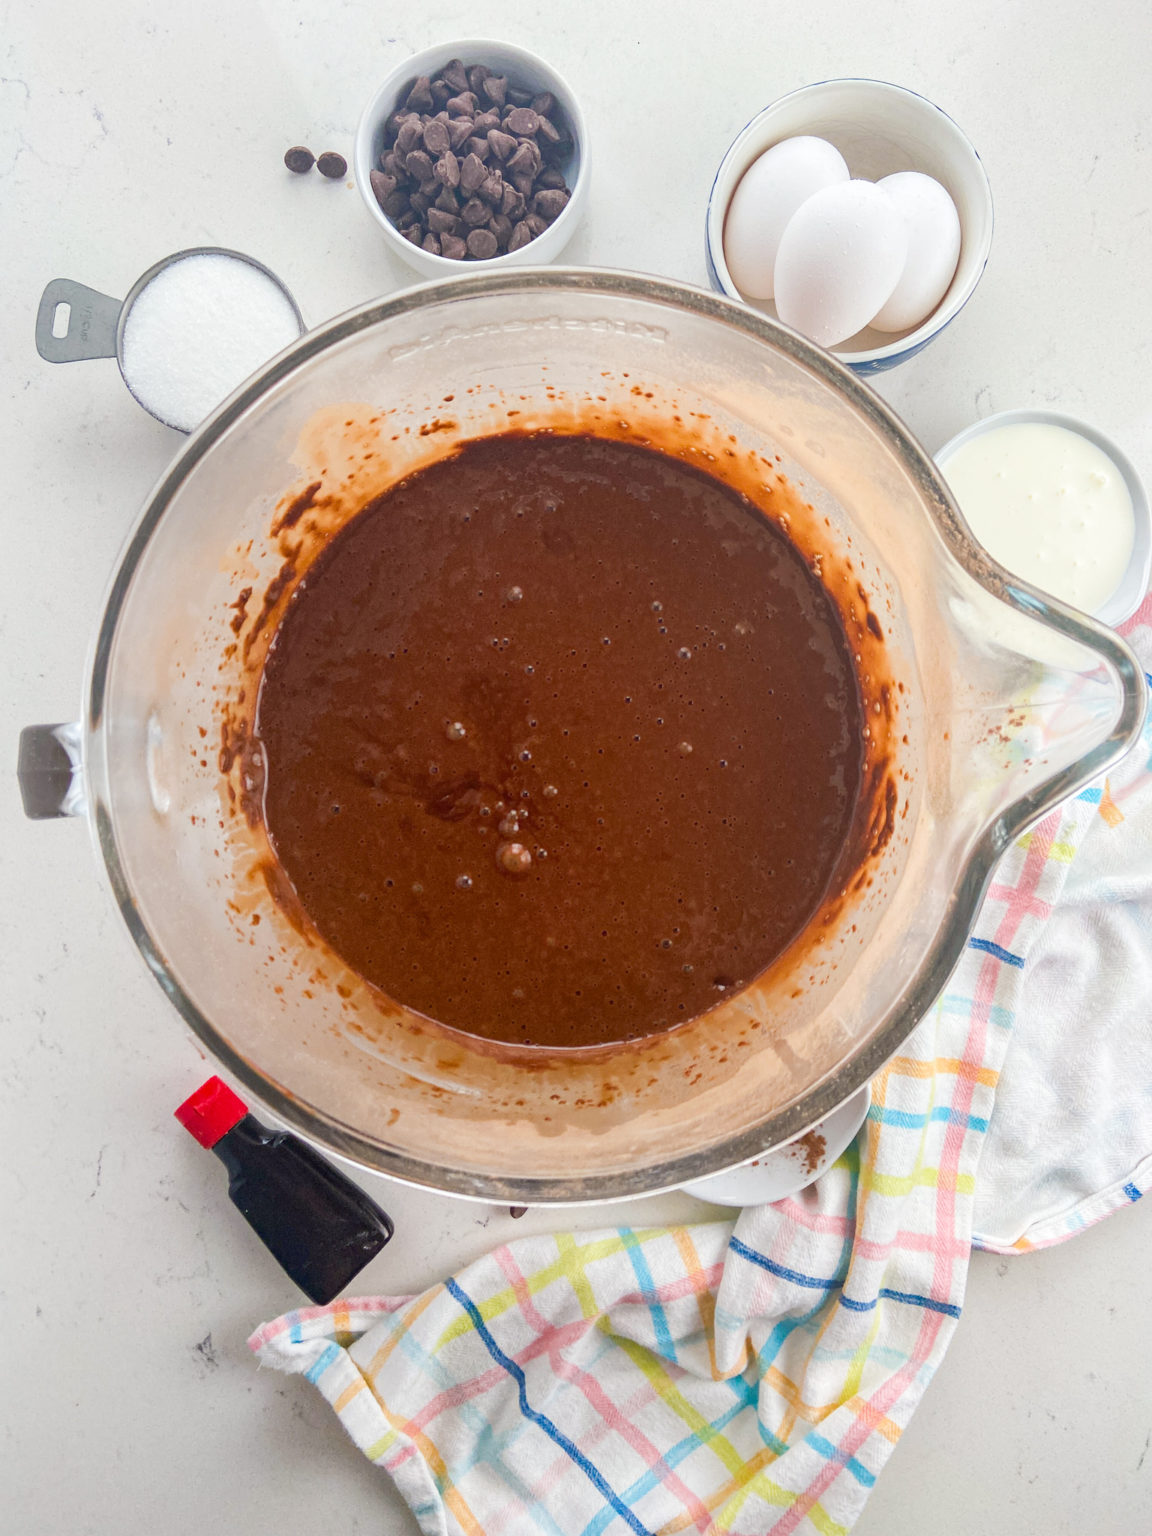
(1058, 504)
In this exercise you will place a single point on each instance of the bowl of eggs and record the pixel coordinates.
(856, 212)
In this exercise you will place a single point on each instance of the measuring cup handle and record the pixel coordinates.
(50, 771)
(91, 328)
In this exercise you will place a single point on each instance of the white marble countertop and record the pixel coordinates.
(128, 131)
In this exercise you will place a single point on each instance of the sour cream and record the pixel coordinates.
(1049, 505)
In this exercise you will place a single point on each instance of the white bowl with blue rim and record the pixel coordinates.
(879, 129)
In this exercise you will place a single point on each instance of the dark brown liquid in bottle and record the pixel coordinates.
(562, 741)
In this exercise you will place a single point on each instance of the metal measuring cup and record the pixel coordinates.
(96, 321)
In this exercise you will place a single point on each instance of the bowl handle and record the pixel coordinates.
(51, 772)
(91, 323)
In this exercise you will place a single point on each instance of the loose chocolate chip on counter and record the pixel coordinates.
(472, 172)
(299, 160)
(522, 120)
(521, 235)
(332, 165)
(420, 96)
(544, 104)
(453, 247)
(482, 244)
(436, 137)
(501, 144)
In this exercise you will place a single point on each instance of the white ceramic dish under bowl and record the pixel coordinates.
(787, 1170)
(526, 72)
(1127, 596)
(879, 129)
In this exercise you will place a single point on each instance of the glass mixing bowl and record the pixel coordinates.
(996, 704)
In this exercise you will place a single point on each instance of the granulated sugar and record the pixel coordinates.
(199, 328)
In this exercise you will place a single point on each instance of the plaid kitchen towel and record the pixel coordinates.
(738, 1377)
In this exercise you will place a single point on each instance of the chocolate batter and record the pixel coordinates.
(562, 741)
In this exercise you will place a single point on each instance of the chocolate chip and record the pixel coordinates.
(409, 135)
(502, 229)
(299, 160)
(382, 186)
(543, 104)
(419, 164)
(551, 178)
(522, 120)
(492, 190)
(526, 160)
(512, 203)
(482, 244)
(485, 121)
(436, 139)
(461, 106)
(443, 223)
(420, 96)
(546, 129)
(501, 144)
(392, 164)
(519, 98)
(420, 201)
(392, 124)
(453, 247)
(459, 129)
(495, 88)
(448, 201)
(473, 171)
(332, 165)
(448, 170)
(521, 235)
(454, 75)
(414, 232)
(431, 188)
(479, 147)
(476, 78)
(536, 224)
(395, 204)
(549, 203)
(475, 212)
(441, 91)
(516, 1211)
(524, 183)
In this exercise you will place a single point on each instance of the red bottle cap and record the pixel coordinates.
(211, 1112)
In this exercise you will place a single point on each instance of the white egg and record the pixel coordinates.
(839, 260)
(933, 249)
(766, 197)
